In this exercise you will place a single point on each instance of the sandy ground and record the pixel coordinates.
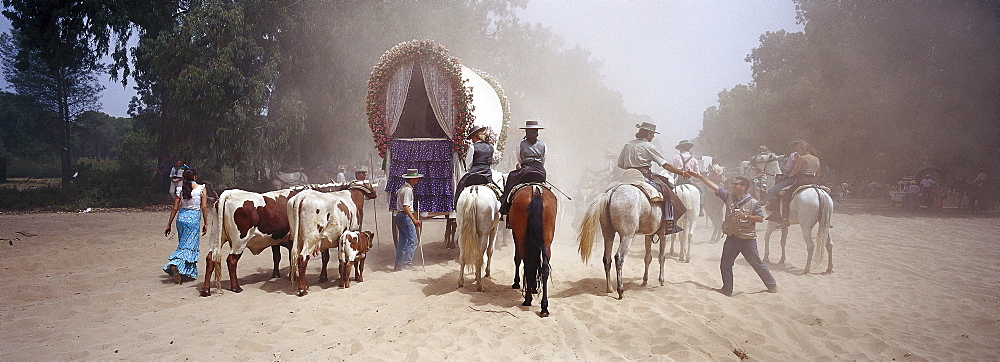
(905, 287)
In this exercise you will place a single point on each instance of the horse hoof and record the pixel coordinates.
(661, 283)
(544, 313)
(302, 293)
(526, 304)
(515, 286)
(236, 289)
(205, 292)
(621, 295)
(643, 284)
(480, 289)
(275, 276)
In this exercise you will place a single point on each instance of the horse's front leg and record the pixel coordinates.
(276, 256)
(767, 241)
(784, 238)
(648, 258)
(663, 254)
(303, 286)
(231, 261)
(323, 278)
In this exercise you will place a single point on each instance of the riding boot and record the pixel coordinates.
(786, 202)
(773, 212)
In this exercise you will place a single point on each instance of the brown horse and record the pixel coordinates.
(532, 220)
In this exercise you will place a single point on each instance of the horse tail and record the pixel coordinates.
(825, 214)
(468, 245)
(534, 238)
(591, 221)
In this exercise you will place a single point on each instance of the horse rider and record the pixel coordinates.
(805, 172)
(771, 203)
(684, 161)
(640, 154)
(531, 159)
(482, 157)
(764, 164)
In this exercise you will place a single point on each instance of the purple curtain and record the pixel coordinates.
(433, 159)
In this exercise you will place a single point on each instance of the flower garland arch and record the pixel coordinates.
(405, 53)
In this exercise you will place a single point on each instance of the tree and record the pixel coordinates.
(63, 88)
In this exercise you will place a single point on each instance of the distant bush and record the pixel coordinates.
(17, 168)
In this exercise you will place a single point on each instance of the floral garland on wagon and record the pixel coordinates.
(502, 139)
(405, 53)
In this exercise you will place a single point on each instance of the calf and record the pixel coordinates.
(354, 247)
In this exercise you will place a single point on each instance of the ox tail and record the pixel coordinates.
(591, 221)
(823, 235)
(295, 250)
(216, 250)
(534, 242)
(468, 244)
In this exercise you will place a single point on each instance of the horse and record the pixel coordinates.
(532, 220)
(478, 218)
(690, 196)
(715, 211)
(809, 207)
(627, 211)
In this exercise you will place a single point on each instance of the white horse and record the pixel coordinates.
(691, 198)
(478, 217)
(715, 211)
(810, 207)
(627, 211)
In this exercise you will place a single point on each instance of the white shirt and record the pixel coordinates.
(194, 203)
(404, 196)
(690, 165)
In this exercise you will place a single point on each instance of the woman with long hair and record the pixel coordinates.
(189, 208)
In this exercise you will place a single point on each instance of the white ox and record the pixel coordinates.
(317, 221)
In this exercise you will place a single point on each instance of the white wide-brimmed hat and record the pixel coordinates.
(412, 173)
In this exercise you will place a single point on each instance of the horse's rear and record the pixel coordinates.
(478, 217)
(690, 196)
(811, 207)
(532, 219)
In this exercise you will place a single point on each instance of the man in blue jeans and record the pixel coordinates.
(406, 221)
(742, 214)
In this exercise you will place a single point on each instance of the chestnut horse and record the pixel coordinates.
(532, 220)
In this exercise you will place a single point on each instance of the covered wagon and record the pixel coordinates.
(421, 105)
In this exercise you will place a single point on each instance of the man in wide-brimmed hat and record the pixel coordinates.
(361, 173)
(685, 161)
(531, 159)
(482, 157)
(641, 154)
(406, 220)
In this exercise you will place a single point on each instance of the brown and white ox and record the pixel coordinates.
(318, 222)
(256, 221)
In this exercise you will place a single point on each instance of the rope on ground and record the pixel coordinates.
(493, 311)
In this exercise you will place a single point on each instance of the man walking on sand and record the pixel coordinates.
(742, 215)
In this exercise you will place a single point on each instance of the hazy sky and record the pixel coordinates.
(668, 59)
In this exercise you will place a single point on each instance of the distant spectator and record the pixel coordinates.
(911, 197)
(341, 177)
(925, 191)
(163, 174)
(176, 176)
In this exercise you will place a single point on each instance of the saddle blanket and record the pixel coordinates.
(634, 177)
(513, 190)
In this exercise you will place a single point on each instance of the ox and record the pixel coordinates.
(317, 221)
(255, 221)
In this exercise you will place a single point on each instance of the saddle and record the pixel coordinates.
(634, 177)
(513, 190)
